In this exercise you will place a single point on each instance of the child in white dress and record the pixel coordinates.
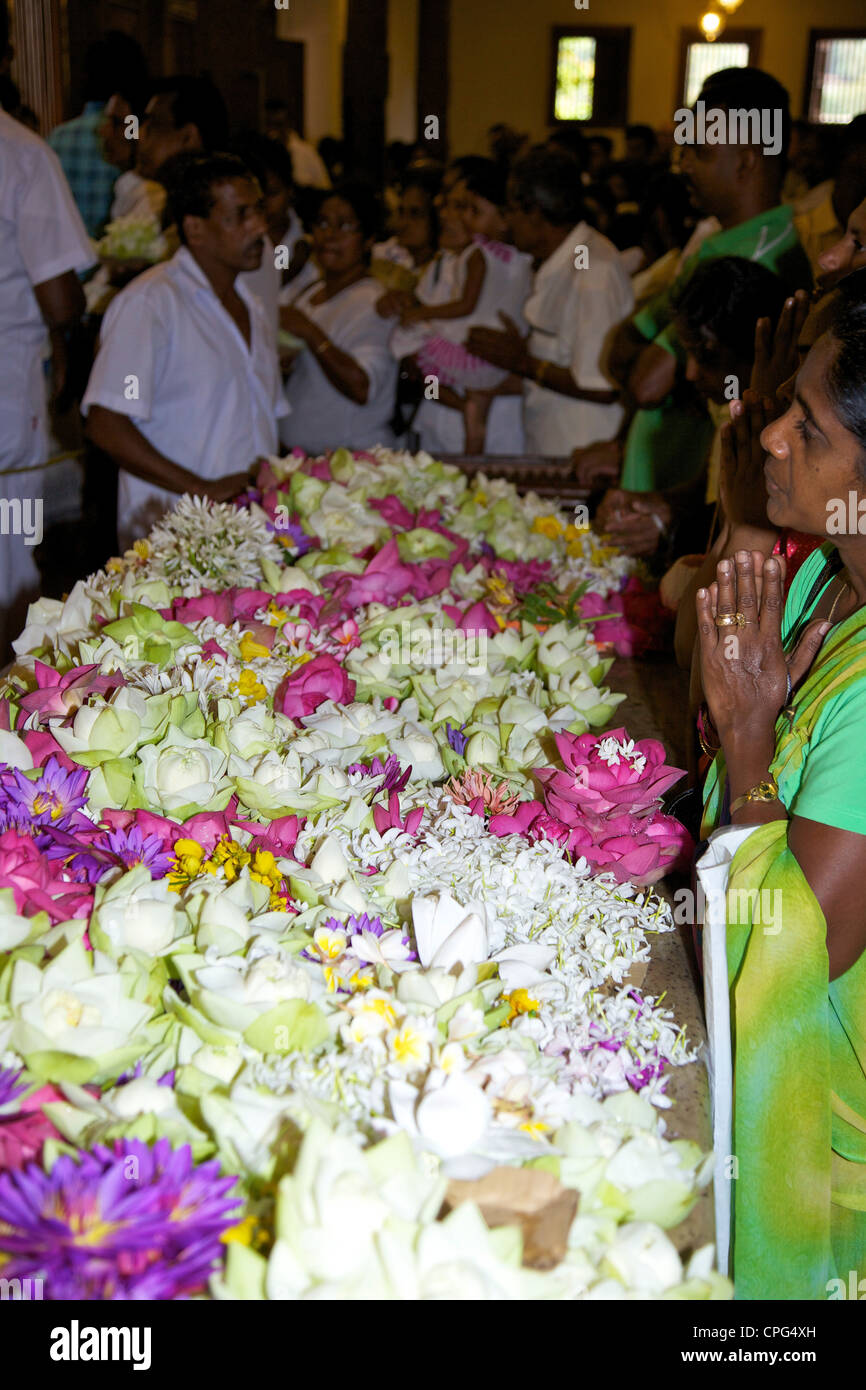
(476, 281)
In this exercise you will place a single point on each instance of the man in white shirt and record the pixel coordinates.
(580, 293)
(185, 391)
(42, 244)
(309, 167)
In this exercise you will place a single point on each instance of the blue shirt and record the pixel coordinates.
(78, 146)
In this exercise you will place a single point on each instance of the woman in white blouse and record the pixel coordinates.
(343, 383)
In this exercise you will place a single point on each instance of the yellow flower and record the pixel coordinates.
(536, 1128)
(499, 592)
(115, 565)
(188, 861)
(573, 533)
(520, 1002)
(276, 616)
(247, 1232)
(250, 648)
(480, 498)
(410, 1048)
(250, 687)
(550, 526)
(330, 944)
(142, 549)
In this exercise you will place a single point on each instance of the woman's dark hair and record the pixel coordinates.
(486, 179)
(727, 296)
(364, 202)
(549, 179)
(196, 101)
(846, 379)
(190, 180)
(427, 177)
(264, 156)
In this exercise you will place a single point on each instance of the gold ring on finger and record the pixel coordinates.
(726, 620)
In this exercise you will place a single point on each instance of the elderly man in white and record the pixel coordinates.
(185, 391)
(580, 293)
(42, 244)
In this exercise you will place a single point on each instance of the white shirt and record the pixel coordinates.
(321, 416)
(571, 313)
(200, 395)
(308, 166)
(41, 236)
(137, 197)
(265, 283)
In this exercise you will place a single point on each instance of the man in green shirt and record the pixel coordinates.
(739, 183)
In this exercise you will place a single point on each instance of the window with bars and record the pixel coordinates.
(739, 48)
(575, 79)
(589, 75)
(703, 59)
(836, 88)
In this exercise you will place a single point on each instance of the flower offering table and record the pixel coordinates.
(333, 957)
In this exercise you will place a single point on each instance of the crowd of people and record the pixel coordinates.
(688, 324)
(246, 293)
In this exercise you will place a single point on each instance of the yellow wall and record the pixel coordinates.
(500, 54)
(321, 26)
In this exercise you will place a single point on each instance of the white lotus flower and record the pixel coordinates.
(71, 1007)
(448, 933)
(182, 771)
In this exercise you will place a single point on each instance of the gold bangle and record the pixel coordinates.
(541, 371)
(764, 791)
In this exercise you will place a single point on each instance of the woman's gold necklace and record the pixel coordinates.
(788, 711)
(842, 591)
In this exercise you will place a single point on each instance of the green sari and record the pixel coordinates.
(799, 1041)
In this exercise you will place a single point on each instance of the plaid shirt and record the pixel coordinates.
(79, 149)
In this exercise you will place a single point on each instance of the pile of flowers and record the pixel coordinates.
(300, 922)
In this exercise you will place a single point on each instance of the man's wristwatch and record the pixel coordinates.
(764, 791)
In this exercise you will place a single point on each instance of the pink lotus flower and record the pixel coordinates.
(518, 822)
(43, 745)
(476, 618)
(607, 774)
(209, 604)
(148, 822)
(388, 818)
(279, 835)
(213, 648)
(23, 1133)
(32, 879)
(395, 512)
(522, 575)
(308, 686)
(643, 623)
(57, 694)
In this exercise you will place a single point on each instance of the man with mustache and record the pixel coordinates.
(186, 385)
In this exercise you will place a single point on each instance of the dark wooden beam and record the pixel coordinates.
(434, 38)
(365, 87)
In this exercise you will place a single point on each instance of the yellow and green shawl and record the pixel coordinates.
(799, 1041)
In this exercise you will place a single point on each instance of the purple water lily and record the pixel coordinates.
(394, 776)
(456, 738)
(126, 1222)
(11, 1087)
(50, 799)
